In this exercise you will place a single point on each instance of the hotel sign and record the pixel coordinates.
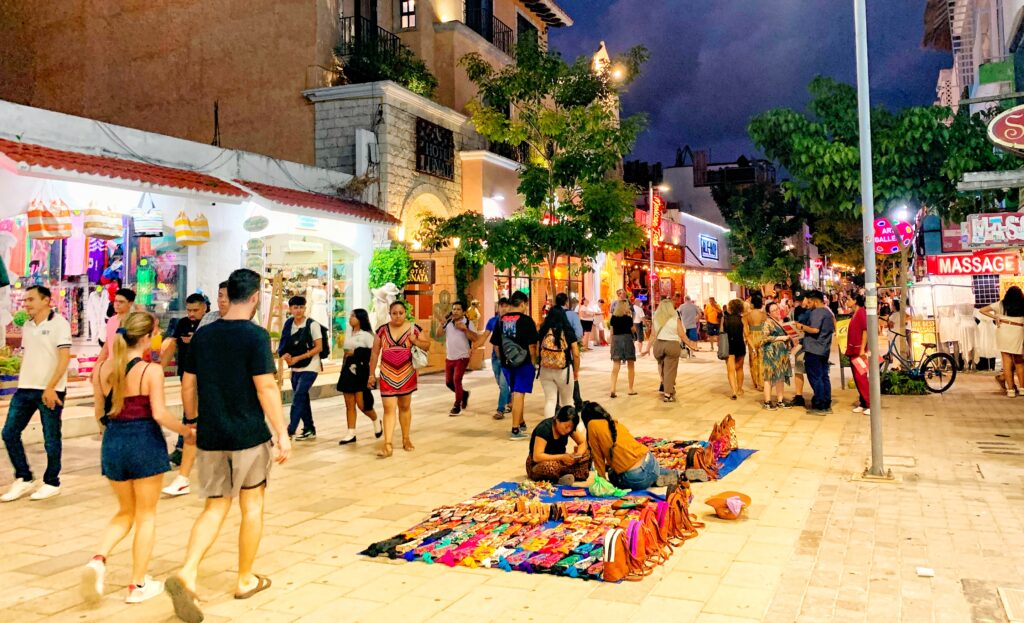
(1007, 130)
(708, 247)
(978, 263)
(435, 150)
(421, 271)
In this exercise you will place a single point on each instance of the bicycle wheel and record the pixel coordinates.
(938, 371)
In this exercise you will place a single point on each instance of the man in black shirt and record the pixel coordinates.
(196, 307)
(520, 331)
(229, 384)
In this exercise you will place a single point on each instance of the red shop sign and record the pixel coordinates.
(1007, 130)
(974, 264)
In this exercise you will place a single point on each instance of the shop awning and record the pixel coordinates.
(318, 201)
(27, 158)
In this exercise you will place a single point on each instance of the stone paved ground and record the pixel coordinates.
(816, 545)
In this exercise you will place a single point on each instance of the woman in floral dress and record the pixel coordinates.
(775, 366)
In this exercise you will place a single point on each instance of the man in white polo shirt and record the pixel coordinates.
(46, 339)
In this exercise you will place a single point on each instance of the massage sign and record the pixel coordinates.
(977, 263)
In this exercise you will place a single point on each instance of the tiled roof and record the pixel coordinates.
(318, 201)
(117, 168)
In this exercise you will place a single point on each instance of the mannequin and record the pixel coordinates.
(382, 299)
(96, 313)
(317, 297)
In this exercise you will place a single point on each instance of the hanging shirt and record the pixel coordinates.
(75, 248)
(97, 259)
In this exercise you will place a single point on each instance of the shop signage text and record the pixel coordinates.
(708, 247)
(657, 207)
(996, 229)
(1007, 129)
(974, 264)
(435, 150)
(421, 271)
(307, 222)
(888, 236)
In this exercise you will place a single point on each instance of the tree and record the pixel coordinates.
(760, 219)
(567, 116)
(920, 154)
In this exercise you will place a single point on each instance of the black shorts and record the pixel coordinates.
(588, 325)
(713, 329)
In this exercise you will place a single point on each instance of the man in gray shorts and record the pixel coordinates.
(229, 384)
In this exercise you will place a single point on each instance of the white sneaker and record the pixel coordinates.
(867, 411)
(149, 590)
(18, 488)
(92, 581)
(45, 492)
(858, 409)
(179, 486)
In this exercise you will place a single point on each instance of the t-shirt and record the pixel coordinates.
(575, 323)
(41, 343)
(184, 328)
(819, 344)
(225, 357)
(546, 431)
(113, 324)
(712, 313)
(313, 363)
(855, 334)
(360, 339)
(621, 325)
(519, 328)
(638, 314)
(493, 322)
(689, 313)
(209, 318)
(455, 341)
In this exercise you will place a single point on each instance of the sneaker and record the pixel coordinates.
(175, 457)
(670, 477)
(768, 405)
(867, 411)
(456, 410)
(786, 404)
(92, 580)
(378, 428)
(858, 409)
(1012, 393)
(307, 435)
(499, 415)
(347, 439)
(567, 481)
(150, 589)
(45, 492)
(798, 401)
(517, 434)
(179, 486)
(18, 488)
(465, 399)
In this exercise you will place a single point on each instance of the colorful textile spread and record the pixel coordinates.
(510, 527)
(700, 460)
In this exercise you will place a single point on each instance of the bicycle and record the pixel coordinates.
(937, 370)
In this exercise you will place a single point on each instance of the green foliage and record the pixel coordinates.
(390, 265)
(760, 219)
(372, 63)
(901, 383)
(568, 117)
(838, 237)
(437, 233)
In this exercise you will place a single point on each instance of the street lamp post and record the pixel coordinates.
(867, 191)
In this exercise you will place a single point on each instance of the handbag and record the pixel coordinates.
(723, 347)
(147, 222)
(419, 357)
(49, 222)
(191, 232)
(102, 224)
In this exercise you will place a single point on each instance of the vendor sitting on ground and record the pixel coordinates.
(548, 459)
(618, 456)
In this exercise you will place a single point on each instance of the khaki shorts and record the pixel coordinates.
(221, 474)
(798, 363)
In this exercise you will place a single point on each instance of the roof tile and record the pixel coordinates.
(318, 201)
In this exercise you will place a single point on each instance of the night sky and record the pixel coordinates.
(716, 63)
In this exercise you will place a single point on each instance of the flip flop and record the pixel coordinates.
(262, 584)
(632, 393)
(186, 604)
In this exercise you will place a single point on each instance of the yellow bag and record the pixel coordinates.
(103, 224)
(49, 222)
(191, 232)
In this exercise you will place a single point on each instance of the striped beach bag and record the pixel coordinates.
(102, 224)
(191, 231)
(147, 220)
(49, 221)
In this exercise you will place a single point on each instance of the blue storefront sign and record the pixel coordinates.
(708, 247)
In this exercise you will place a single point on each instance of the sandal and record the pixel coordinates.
(613, 395)
(407, 445)
(262, 584)
(186, 604)
(385, 452)
(631, 394)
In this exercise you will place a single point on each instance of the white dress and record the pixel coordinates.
(985, 344)
(1009, 337)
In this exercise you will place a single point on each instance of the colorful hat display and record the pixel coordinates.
(728, 504)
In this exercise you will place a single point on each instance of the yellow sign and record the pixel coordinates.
(842, 334)
(1007, 281)
(923, 333)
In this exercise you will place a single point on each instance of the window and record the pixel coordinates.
(525, 28)
(407, 14)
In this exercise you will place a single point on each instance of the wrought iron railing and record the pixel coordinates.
(361, 36)
(518, 153)
(484, 23)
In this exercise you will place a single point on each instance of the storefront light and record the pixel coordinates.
(401, 233)
(456, 242)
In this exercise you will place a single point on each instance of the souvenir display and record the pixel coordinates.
(536, 528)
(102, 224)
(701, 461)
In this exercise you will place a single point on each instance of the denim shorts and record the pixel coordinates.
(520, 379)
(640, 477)
(133, 449)
(692, 335)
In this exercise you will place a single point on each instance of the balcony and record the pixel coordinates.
(370, 53)
(518, 153)
(498, 33)
(361, 36)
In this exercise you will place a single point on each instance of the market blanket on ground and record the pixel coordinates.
(684, 454)
(511, 527)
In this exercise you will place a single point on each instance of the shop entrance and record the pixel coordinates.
(313, 268)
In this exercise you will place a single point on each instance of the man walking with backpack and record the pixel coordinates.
(459, 334)
(300, 347)
(515, 338)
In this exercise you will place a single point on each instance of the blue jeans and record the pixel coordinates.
(301, 409)
(503, 393)
(816, 367)
(642, 477)
(23, 406)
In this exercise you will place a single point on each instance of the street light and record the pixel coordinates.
(650, 237)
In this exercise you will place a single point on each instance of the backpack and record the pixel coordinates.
(552, 354)
(515, 355)
(307, 344)
(679, 522)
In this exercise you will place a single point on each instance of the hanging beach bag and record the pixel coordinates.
(147, 220)
(191, 232)
(49, 221)
(102, 224)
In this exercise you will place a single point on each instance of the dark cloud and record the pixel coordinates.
(716, 63)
